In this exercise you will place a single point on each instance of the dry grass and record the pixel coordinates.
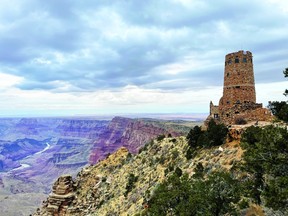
(255, 210)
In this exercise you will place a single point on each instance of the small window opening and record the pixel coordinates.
(237, 86)
(227, 74)
(227, 115)
(245, 60)
(229, 62)
(237, 60)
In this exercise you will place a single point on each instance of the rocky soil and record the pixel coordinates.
(106, 188)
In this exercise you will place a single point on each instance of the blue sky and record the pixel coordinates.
(89, 57)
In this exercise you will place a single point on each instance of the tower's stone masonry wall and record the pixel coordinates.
(248, 112)
(239, 96)
(214, 110)
(239, 85)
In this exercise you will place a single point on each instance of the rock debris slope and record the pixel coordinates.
(122, 183)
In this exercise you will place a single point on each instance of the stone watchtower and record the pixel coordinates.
(239, 97)
(239, 85)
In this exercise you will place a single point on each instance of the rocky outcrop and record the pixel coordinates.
(58, 157)
(130, 133)
(71, 165)
(139, 132)
(28, 126)
(235, 133)
(81, 128)
(60, 198)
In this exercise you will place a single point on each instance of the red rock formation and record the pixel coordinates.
(81, 128)
(138, 133)
(130, 133)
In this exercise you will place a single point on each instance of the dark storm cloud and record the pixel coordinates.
(92, 45)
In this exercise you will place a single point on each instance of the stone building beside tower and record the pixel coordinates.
(239, 97)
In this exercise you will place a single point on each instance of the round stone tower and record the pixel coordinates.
(239, 85)
(238, 103)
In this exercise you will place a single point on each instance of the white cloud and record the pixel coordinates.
(41, 61)
(8, 80)
(271, 92)
(134, 55)
(282, 4)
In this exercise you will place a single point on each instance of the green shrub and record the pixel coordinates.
(240, 121)
(132, 179)
(178, 172)
(175, 154)
(214, 135)
(173, 140)
(266, 162)
(216, 195)
(160, 137)
(199, 171)
(144, 148)
(279, 109)
(194, 135)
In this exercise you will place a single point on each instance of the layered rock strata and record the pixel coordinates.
(130, 133)
(60, 198)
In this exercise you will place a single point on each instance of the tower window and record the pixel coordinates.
(228, 102)
(227, 74)
(237, 60)
(237, 86)
(244, 60)
(229, 62)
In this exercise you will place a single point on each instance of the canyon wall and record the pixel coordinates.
(130, 133)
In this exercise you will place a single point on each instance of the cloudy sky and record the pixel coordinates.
(70, 57)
